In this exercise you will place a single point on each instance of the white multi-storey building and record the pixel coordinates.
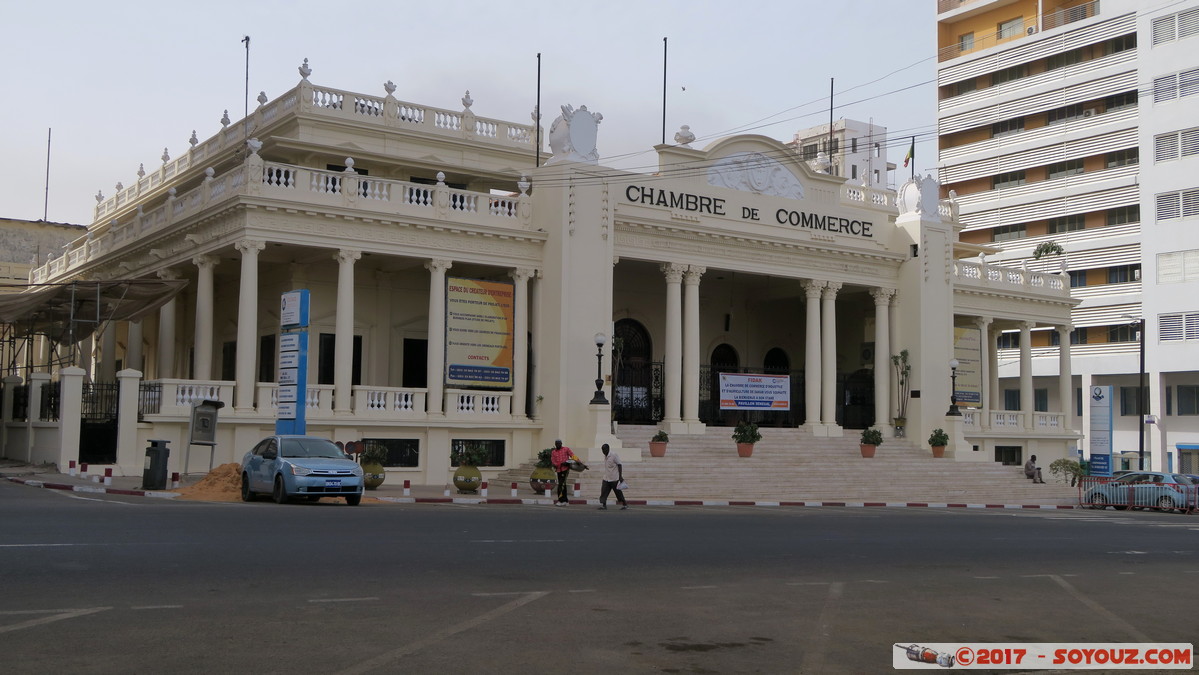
(856, 150)
(1077, 124)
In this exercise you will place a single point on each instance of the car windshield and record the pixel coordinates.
(1183, 479)
(310, 447)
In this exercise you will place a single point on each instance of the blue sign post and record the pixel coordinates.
(1101, 430)
(293, 363)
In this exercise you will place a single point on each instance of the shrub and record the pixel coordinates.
(746, 432)
(543, 459)
(373, 453)
(1066, 468)
(660, 437)
(872, 436)
(938, 437)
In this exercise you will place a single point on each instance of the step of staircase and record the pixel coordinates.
(790, 464)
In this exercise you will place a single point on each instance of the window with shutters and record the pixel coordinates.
(1188, 399)
(1175, 27)
(1183, 204)
(1175, 145)
(1124, 214)
(1176, 85)
(1177, 267)
(1010, 28)
(1180, 327)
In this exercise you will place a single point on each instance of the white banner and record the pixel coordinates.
(755, 392)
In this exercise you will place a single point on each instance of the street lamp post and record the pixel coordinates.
(599, 398)
(1142, 403)
(953, 390)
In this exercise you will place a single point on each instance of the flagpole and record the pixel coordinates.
(664, 91)
(913, 152)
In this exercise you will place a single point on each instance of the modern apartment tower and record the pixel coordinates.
(1069, 132)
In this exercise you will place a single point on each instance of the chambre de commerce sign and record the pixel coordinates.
(686, 201)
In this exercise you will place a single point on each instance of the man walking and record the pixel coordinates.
(613, 477)
(560, 458)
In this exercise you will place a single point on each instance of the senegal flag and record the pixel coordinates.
(911, 153)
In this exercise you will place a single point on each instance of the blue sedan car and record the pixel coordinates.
(300, 466)
(1144, 489)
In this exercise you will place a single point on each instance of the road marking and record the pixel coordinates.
(584, 590)
(93, 499)
(341, 599)
(696, 588)
(44, 545)
(517, 541)
(157, 607)
(1129, 573)
(1100, 609)
(58, 615)
(986, 577)
(389, 659)
(813, 661)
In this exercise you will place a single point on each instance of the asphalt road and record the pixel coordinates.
(108, 584)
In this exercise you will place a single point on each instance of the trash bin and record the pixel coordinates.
(154, 475)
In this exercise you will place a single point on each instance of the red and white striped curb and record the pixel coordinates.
(94, 490)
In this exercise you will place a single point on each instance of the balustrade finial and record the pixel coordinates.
(193, 140)
(225, 119)
(166, 156)
(349, 165)
(120, 186)
(255, 145)
(305, 71)
(523, 184)
(141, 170)
(441, 178)
(389, 87)
(467, 100)
(262, 99)
(99, 196)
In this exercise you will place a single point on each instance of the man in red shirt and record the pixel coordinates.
(560, 458)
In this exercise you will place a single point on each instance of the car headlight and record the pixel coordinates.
(357, 469)
(300, 470)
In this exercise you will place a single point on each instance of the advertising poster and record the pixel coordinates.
(1100, 433)
(967, 349)
(478, 333)
(754, 392)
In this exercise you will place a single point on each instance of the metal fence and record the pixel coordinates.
(1100, 492)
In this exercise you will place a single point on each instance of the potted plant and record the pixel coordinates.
(937, 441)
(903, 384)
(543, 477)
(468, 456)
(746, 434)
(657, 444)
(373, 457)
(871, 439)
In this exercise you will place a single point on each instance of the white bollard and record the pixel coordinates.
(447, 489)
(108, 477)
(484, 488)
(175, 480)
(72, 468)
(576, 493)
(514, 489)
(407, 488)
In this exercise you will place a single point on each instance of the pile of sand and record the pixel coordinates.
(222, 484)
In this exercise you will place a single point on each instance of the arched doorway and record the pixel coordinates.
(724, 359)
(776, 362)
(858, 410)
(636, 379)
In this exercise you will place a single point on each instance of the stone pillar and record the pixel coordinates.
(1065, 378)
(166, 332)
(85, 352)
(247, 326)
(343, 327)
(535, 342)
(812, 291)
(520, 341)
(203, 357)
(987, 346)
(129, 384)
(828, 368)
(1026, 390)
(672, 387)
(997, 402)
(435, 400)
(691, 344)
(107, 371)
(70, 414)
(882, 356)
(133, 346)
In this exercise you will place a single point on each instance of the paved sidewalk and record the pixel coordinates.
(393, 491)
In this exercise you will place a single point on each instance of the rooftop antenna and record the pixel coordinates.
(537, 115)
(46, 204)
(245, 120)
(664, 45)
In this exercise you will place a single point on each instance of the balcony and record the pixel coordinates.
(1031, 26)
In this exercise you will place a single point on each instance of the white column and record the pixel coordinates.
(108, 353)
(86, 353)
(812, 291)
(343, 330)
(672, 388)
(1026, 390)
(828, 368)
(520, 341)
(882, 356)
(247, 326)
(691, 343)
(436, 354)
(133, 346)
(166, 332)
(534, 344)
(997, 402)
(984, 367)
(204, 267)
(1065, 378)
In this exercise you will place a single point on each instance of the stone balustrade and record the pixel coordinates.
(981, 276)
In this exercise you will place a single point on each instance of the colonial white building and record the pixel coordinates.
(464, 288)
(1074, 124)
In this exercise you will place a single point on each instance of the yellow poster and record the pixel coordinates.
(478, 333)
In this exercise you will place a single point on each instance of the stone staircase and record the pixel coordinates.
(793, 465)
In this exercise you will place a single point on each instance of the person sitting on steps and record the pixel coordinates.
(1031, 470)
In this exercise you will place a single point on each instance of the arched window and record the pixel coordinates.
(634, 342)
(724, 358)
(776, 362)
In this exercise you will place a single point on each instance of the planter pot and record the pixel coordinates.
(867, 450)
(542, 479)
(900, 424)
(938, 450)
(657, 448)
(468, 479)
(745, 449)
(373, 475)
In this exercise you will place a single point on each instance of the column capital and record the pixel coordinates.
(439, 264)
(205, 261)
(983, 322)
(347, 255)
(250, 246)
(882, 296)
(831, 288)
(813, 288)
(1065, 329)
(1027, 325)
(694, 272)
(522, 274)
(673, 272)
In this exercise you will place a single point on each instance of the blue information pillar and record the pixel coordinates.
(293, 363)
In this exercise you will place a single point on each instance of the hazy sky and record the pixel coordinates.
(119, 81)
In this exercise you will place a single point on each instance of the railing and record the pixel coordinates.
(465, 404)
(950, 5)
(1100, 492)
(389, 402)
(99, 402)
(51, 396)
(1035, 190)
(1070, 15)
(149, 399)
(981, 274)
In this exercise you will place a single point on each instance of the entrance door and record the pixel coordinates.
(636, 382)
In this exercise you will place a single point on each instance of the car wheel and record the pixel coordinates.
(1165, 504)
(1098, 502)
(279, 494)
(353, 500)
(1121, 507)
(247, 495)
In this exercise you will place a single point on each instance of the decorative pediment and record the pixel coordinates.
(757, 173)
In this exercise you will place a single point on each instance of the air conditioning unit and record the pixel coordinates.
(1136, 274)
(1090, 112)
(1030, 30)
